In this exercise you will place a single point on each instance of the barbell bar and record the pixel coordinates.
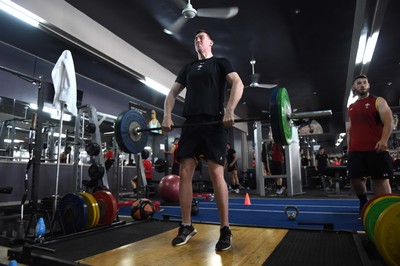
(130, 126)
(292, 116)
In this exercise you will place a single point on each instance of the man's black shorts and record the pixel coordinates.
(362, 164)
(232, 168)
(209, 141)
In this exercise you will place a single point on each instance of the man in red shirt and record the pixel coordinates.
(277, 162)
(147, 165)
(369, 129)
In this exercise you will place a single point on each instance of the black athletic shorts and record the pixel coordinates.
(276, 168)
(209, 141)
(232, 168)
(362, 164)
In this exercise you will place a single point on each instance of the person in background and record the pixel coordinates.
(321, 162)
(277, 163)
(65, 155)
(304, 160)
(231, 166)
(148, 170)
(147, 165)
(368, 132)
(205, 80)
(109, 159)
(336, 162)
(173, 152)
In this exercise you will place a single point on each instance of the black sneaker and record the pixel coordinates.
(184, 234)
(225, 239)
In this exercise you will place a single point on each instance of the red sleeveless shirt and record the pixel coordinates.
(366, 125)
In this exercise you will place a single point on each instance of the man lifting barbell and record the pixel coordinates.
(204, 102)
(204, 131)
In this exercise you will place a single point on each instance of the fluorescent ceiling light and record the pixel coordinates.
(15, 141)
(56, 134)
(366, 47)
(361, 48)
(168, 32)
(369, 50)
(20, 13)
(54, 114)
(155, 85)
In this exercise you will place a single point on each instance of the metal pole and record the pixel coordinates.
(58, 159)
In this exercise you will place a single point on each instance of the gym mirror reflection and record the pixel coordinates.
(15, 133)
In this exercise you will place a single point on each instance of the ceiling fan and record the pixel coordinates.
(254, 77)
(188, 12)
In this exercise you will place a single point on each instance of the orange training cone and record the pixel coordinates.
(247, 200)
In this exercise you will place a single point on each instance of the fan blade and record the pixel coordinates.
(178, 24)
(267, 86)
(180, 3)
(223, 12)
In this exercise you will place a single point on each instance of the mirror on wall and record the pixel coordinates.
(16, 134)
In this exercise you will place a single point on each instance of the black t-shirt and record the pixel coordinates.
(205, 82)
(322, 160)
(229, 155)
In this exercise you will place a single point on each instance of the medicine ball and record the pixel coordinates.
(142, 209)
(168, 188)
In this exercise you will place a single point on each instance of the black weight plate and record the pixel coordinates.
(160, 165)
(96, 171)
(90, 128)
(93, 149)
(73, 211)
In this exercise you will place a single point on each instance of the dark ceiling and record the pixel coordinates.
(306, 46)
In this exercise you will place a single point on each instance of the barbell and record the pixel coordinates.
(130, 128)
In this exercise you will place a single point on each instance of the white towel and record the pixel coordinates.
(64, 81)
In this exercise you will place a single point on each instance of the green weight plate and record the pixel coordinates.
(124, 126)
(280, 109)
(107, 205)
(275, 116)
(387, 234)
(285, 110)
(74, 214)
(376, 209)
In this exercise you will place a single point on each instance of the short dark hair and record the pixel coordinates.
(362, 76)
(203, 30)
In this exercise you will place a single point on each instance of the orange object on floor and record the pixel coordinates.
(247, 200)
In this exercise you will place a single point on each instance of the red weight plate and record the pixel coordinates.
(108, 207)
